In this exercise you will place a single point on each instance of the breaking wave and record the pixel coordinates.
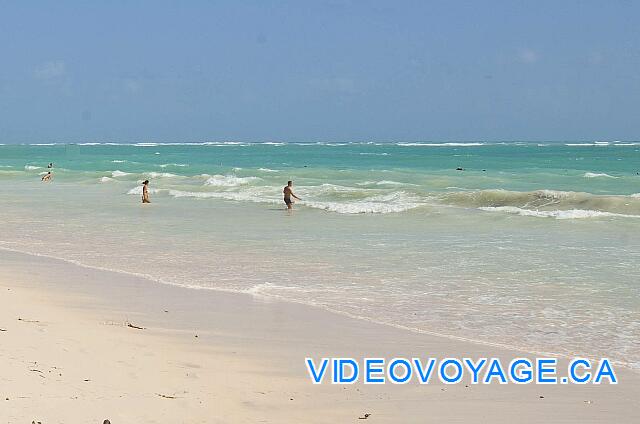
(598, 175)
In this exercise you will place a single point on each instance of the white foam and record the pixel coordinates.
(118, 161)
(161, 175)
(106, 179)
(31, 167)
(391, 203)
(388, 182)
(267, 170)
(557, 214)
(229, 180)
(440, 144)
(118, 173)
(597, 175)
(138, 190)
(180, 165)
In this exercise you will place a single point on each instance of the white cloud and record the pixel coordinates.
(528, 56)
(50, 70)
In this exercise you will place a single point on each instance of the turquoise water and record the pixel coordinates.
(531, 245)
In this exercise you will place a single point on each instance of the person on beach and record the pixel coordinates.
(288, 194)
(50, 165)
(47, 177)
(145, 192)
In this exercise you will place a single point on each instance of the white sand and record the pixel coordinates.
(66, 357)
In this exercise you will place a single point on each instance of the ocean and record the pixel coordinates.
(526, 245)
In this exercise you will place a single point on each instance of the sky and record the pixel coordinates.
(128, 71)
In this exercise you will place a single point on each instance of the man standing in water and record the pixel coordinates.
(288, 194)
(145, 192)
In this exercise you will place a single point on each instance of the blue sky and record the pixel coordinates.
(323, 70)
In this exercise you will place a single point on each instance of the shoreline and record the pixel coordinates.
(275, 298)
(246, 365)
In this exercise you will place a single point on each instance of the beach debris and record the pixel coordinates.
(588, 402)
(196, 336)
(135, 326)
(3, 329)
(459, 169)
(36, 422)
(106, 422)
(27, 320)
(364, 417)
(541, 397)
(166, 396)
(40, 373)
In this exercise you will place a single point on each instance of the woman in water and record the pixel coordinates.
(145, 192)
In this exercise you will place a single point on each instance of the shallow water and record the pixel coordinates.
(532, 246)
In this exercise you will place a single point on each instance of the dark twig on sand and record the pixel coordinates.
(134, 326)
(28, 320)
(2, 329)
(166, 396)
(364, 417)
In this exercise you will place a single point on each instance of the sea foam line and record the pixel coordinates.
(248, 292)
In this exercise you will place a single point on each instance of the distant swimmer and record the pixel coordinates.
(50, 165)
(145, 192)
(47, 177)
(288, 194)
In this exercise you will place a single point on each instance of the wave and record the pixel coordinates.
(138, 190)
(118, 161)
(267, 170)
(161, 175)
(179, 165)
(106, 179)
(389, 196)
(597, 175)
(557, 214)
(391, 203)
(31, 167)
(388, 182)
(544, 202)
(118, 173)
(441, 144)
(229, 180)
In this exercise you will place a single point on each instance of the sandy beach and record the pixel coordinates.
(68, 355)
